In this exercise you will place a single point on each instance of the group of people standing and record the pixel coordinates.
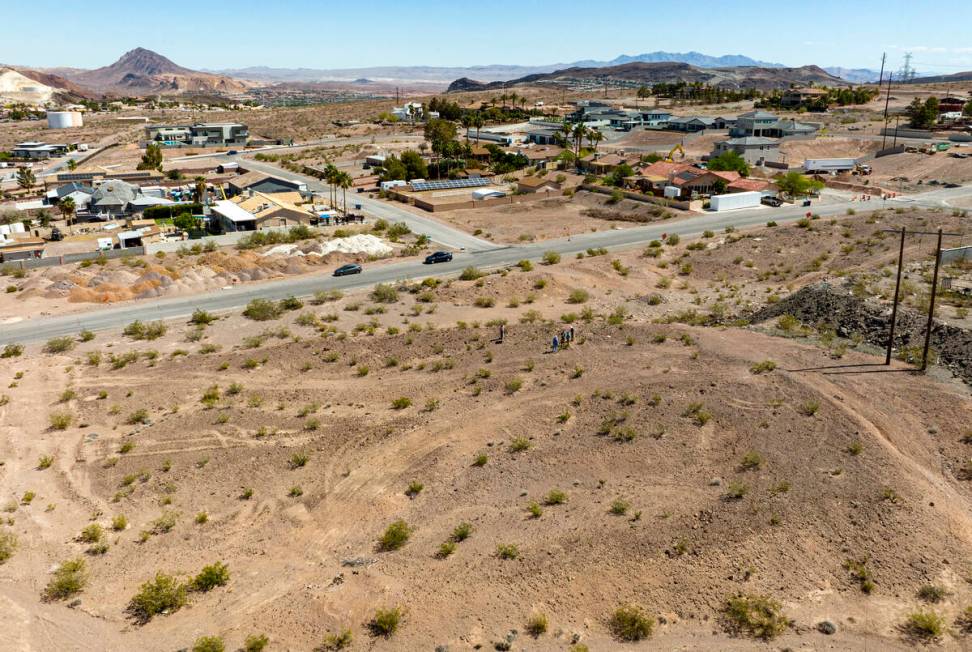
(562, 339)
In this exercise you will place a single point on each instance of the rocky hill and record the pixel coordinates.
(763, 78)
(22, 85)
(142, 71)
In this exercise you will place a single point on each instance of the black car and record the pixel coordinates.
(438, 257)
(771, 201)
(350, 268)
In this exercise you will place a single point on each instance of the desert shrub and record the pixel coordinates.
(85, 335)
(446, 548)
(485, 302)
(809, 408)
(395, 536)
(298, 460)
(60, 420)
(519, 444)
(163, 593)
(69, 579)
(536, 511)
(756, 616)
(401, 403)
(620, 507)
(139, 330)
(295, 492)
(208, 644)
(210, 577)
(924, 625)
(59, 345)
(751, 461)
(255, 643)
(414, 488)
(339, 641)
(481, 460)
(536, 624)
(551, 258)
(44, 462)
(507, 551)
(860, 573)
(12, 351)
(262, 310)
(470, 274)
(762, 367)
(461, 532)
(119, 523)
(385, 621)
(8, 545)
(736, 491)
(91, 533)
(555, 497)
(384, 293)
(578, 296)
(201, 317)
(513, 385)
(138, 416)
(931, 593)
(631, 623)
(164, 523)
(525, 265)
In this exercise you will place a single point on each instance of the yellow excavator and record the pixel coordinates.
(670, 158)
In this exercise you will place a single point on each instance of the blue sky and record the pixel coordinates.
(342, 34)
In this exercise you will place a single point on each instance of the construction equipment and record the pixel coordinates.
(670, 158)
(862, 169)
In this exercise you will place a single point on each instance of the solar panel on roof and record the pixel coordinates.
(450, 184)
(76, 176)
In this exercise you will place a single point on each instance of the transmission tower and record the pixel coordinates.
(907, 72)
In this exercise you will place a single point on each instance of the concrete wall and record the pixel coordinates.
(67, 259)
(648, 199)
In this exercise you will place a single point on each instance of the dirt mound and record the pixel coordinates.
(851, 316)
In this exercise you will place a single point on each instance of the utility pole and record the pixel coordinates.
(931, 302)
(894, 306)
(884, 55)
(887, 101)
(934, 291)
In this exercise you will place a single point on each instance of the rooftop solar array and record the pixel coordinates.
(450, 184)
(77, 176)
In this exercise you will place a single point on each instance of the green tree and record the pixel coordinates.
(72, 165)
(344, 181)
(185, 222)
(392, 169)
(152, 159)
(923, 115)
(967, 109)
(729, 160)
(415, 167)
(794, 184)
(440, 133)
(26, 178)
(616, 178)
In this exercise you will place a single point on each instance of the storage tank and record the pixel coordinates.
(735, 200)
(63, 119)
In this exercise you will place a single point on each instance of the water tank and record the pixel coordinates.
(63, 119)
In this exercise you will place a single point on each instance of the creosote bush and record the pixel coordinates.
(386, 621)
(507, 551)
(69, 579)
(164, 593)
(924, 626)
(208, 644)
(757, 616)
(210, 577)
(631, 623)
(536, 624)
(395, 536)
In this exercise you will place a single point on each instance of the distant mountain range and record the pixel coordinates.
(762, 78)
(499, 72)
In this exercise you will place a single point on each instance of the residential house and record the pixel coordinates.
(39, 150)
(706, 183)
(756, 150)
(795, 98)
(139, 237)
(265, 183)
(489, 137)
(113, 198)
(545, 136)
(278, 209)
(604, 164)
(231, 217)
(79, 193)
(754, 123)
(951, 104)
(544, 157)
(201, 134)
(655, 119)
(744, 184)
(763, 124)
(538, 184)
(409, 111)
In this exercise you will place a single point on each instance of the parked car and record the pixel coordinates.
(232, 152)
(350, 268)
(769, 200)
(438, 257)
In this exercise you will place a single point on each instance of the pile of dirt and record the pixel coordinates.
(823, 303)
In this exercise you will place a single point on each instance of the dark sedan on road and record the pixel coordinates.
(438, 257)
(350, 268)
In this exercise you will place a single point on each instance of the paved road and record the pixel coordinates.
(234, 298)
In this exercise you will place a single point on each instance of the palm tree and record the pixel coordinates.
(330, 175)
(345, 181)
(477, 121)
(578, 133)
(594, 136)
(200, 189)
(67, 208)
(513, 98)
(72, 165)
(466, 122)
